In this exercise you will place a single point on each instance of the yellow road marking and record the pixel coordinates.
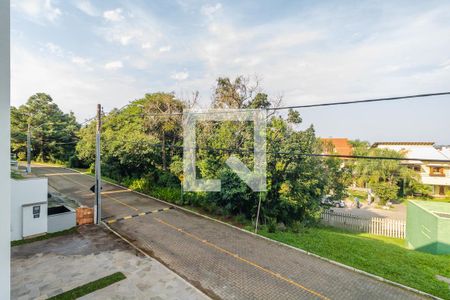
(59, 174)
(115, 192)
(220, 249)
(79, 183)
(277, 275)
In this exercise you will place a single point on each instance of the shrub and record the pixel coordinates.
(271, 225)
(296, 227)
(385, 191)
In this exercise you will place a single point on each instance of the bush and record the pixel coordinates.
(385, 191)
(271, 225)
(297, 227)
(240, 219)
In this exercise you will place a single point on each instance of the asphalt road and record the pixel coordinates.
(222, 261)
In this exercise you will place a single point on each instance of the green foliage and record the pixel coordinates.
(53, 133)
(143, 151)
(382, 256)
(90, 287)
(385, 191)
(44, 237)
(271, 225)
(16, 175)
(389, 179)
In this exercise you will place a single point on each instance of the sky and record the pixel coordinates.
(84, 52)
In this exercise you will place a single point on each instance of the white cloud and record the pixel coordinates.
(114, 15)
(81, 61)
(180, 76)
(165, 48)
(139, 34)
(114, 65)
(37, 10)
(54, 49)
(71, 87)
(209, 10)
(86, 7)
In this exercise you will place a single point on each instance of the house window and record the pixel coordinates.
(417, 168)
(442, 190)
(437, 171)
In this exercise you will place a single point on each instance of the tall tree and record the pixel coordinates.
(53, 133)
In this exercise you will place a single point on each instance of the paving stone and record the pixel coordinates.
(223, 261)
(48, 268)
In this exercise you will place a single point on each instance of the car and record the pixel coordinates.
(339, 204)
(327, 201)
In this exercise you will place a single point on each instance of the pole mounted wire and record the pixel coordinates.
(312, 105)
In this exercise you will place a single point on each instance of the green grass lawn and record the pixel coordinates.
(44, 237)
(90, 287)
(382, 256)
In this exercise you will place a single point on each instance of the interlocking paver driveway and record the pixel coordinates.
(223, 261)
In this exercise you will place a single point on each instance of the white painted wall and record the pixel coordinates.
(5, 223)
(23, 192)
(34, 223)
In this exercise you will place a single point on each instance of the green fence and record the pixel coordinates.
(428, 226)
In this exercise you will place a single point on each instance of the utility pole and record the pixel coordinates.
(29, 148)
(98, 177)
(257, 213)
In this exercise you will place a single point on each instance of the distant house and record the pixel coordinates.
(435, 174)
(446, 151)
(339, 146)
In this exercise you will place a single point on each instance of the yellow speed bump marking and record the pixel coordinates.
(81, 184)
(59, 174)
(220, 249)
(116, 192)
(139, 215)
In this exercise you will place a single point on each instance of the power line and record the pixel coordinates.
(298, 153)
(370, 100)
(361, 101)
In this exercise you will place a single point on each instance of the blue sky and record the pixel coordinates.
(111, 52)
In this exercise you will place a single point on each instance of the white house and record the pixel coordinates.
(434, 166)
(28, 207)
(446, 151)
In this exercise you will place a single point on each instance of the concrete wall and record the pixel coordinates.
(5, 224)
(421, 228)
(23, 192)
(34, 222)
(63, 221)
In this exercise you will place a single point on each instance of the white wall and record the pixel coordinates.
(4, 151)
(27, 191)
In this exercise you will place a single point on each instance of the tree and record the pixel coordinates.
(167, 128)
(140, 146)
(53, 133)
(384, 176)
(137, 140)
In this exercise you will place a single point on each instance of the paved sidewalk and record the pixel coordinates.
(47, 268)
(223, 262)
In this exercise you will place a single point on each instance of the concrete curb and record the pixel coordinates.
(280, 243)
(148, 256)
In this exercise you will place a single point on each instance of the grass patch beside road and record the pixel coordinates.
(44, 237)
(90, 287)
(382, 256)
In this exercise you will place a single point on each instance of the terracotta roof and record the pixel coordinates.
(339, 146)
